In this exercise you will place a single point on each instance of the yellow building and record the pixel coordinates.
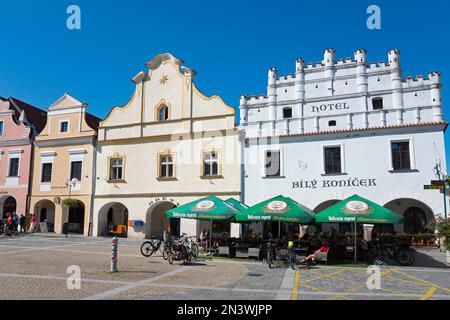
(169, 145)
(62, 175)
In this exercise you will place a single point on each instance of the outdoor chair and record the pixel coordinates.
(119, 230)
(224, 251)
(322, 256)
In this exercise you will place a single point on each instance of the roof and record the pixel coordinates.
(409, 125)
(92, 121)
(36, 116)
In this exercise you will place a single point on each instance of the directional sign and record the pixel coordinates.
(438, 182)
(433, 187)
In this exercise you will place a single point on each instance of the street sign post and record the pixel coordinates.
(433, 187)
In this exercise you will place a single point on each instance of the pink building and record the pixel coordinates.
(19, 124)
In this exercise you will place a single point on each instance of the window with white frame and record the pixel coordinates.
(332, 160)
(1, 128)
(13, 170)
(401, 158)
(211, 163)
(272, 163)
(75, 170)
(166, 166)
(46, 172)
(116, 169)
(64, 126)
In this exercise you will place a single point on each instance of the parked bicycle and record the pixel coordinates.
(151, 246)
(180, 251)
(402, 253)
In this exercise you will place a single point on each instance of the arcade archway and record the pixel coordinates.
(110, 216)
(76, 217)
(416, 213)
(156, 221)
(326, 227)
(9, 206)
(45, 211)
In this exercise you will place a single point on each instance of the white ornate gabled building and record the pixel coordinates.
(169, 145)
(336, 128)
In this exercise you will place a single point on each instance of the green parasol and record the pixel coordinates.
(236, 204)
(277, 209)
(357, 209)
(209, 208)
(360, 210)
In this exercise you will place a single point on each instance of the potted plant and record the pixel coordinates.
(69, 202)
(442, 227)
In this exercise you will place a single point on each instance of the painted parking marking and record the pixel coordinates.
(294, 293)
(314, 284)
(424, 281)
(428, 294)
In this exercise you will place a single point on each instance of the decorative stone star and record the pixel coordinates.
(163, 79)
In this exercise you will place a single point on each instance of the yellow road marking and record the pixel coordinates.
(358, 287)
(423, 281)
(294, 292)
(429, 293)
(324, 276)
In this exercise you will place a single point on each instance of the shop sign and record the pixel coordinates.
(330, 107)
(341, 183)
(171, 200)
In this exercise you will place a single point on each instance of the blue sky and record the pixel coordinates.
(230, 44)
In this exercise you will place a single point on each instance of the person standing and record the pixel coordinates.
(22, 222)
(9, 226)
(34, 223)
(16, 221)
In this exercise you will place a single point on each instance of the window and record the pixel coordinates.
(400, 155)
(166, 166)
(332, 123)
(332, 160)
(1, 128)
(163, 113)
(116, 169)
(64, 126)
(272, 163)
(211, 164)
(13, 167)
(75, 170)
(46, 172)
(377, 103)
(287, 113)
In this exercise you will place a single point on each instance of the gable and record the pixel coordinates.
(167, 82)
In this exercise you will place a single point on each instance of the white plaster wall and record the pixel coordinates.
(366, 156)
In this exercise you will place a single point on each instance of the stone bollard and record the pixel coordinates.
(115, 244)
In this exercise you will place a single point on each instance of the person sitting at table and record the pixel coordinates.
(312, 257)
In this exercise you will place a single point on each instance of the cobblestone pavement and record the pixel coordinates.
(35, 267)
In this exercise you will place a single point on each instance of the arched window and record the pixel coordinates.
(163, 112)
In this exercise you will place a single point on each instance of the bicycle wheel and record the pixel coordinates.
(194, 249)
(293, 260)
(269, 258)
(405, 257)
(166, 253)
(147, 249)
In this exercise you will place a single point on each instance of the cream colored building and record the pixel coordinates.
(63, 167)
(169, 145)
